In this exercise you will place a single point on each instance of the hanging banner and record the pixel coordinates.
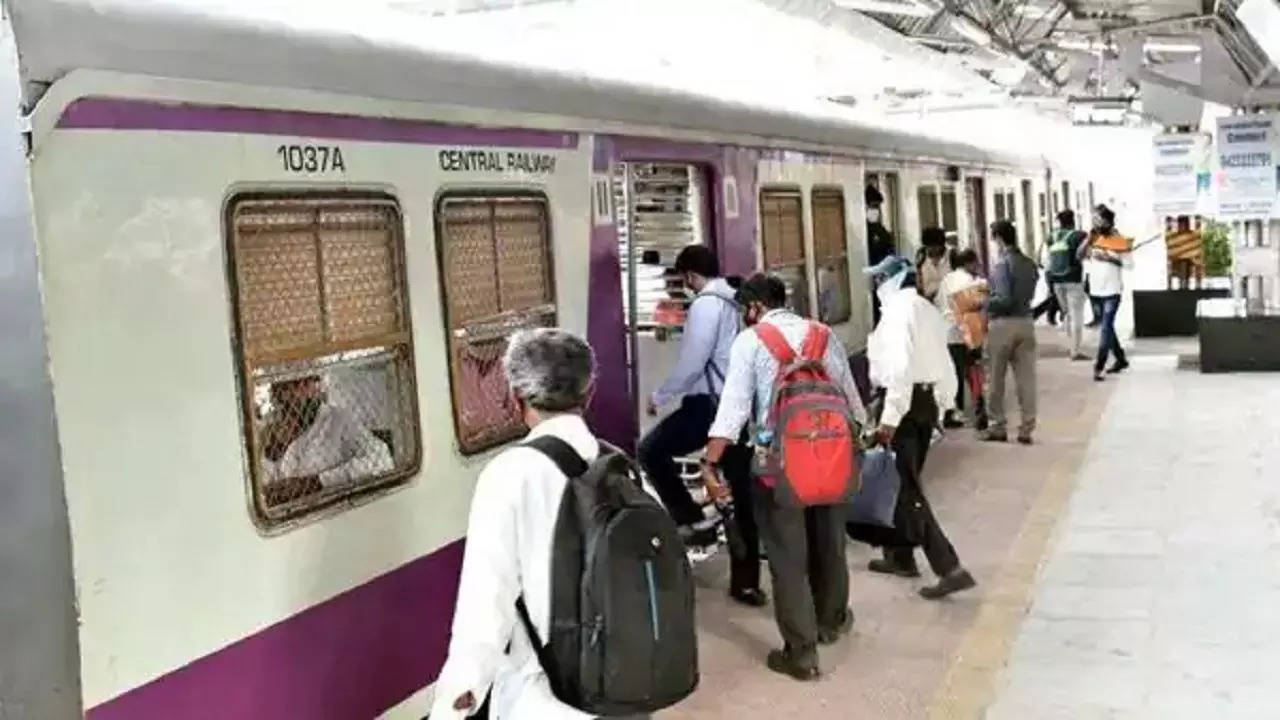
(1246, 166)
(1177, 185)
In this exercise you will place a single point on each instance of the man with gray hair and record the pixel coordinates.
(510, 537)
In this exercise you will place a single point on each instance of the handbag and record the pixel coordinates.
(877, 499)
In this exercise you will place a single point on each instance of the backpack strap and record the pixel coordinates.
(815, 343)
(775, 343)
(573, 466)
(561, 453)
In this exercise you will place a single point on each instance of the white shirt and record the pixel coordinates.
(508, 553)
(752, 370)
(1107, 278)
(337, 449)
(909, 346)
(932, 271)
(954, 282)
(709, 329)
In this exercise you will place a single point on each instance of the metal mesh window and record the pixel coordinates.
(830, 255)
(782, 238)
(495, 270)
(324, 347)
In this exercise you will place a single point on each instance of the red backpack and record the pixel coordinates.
(812, 458)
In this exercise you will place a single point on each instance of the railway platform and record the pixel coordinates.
(1126, 566)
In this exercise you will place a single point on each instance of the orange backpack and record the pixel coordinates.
(812, 457)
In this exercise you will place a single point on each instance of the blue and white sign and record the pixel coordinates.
(1246, 166)
(1177, 185)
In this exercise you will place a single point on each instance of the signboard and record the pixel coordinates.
(1246, 166)
(1177, 184)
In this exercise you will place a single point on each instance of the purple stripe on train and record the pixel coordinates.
(124, 114)
(352, 656)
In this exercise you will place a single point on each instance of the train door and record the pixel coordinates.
(976, 209)
(661, 207)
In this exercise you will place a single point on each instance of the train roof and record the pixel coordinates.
(383, 49)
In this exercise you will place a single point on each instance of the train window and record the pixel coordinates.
(495, 267)
(927, 196)
(782, 235)
(659, 213)
(324, 348)
(950, 220)
(999, 206)
(831, 256)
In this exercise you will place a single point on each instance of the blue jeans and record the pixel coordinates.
(1108, 343)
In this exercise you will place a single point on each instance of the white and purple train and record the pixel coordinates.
(200, 206)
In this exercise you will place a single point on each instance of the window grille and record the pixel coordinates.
(782, 238)
(324, 347)
(831, 256)
(496, 275)
(659, 213)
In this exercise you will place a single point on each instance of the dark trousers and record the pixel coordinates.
(808, 568)
(913, 517)
(681, 433)
(1108, 341)
(962, 358)
(1049, 305)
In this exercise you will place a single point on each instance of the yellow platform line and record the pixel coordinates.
(969, 686)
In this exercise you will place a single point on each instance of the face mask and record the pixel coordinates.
(890, 287)
(873, 215)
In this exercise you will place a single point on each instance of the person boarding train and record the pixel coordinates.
(696, 381)
(805, 545)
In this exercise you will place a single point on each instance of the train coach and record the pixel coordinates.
(231, 247)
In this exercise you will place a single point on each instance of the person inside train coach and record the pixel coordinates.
(696, 382)
(311, 444)
(932, 264)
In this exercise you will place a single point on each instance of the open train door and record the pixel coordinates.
(976, 208)
(661, 207)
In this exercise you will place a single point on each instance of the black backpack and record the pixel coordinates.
(622, 623)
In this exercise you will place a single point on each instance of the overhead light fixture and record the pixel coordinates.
(908, 8)
(1171, 47)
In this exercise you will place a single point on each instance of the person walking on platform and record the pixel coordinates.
(805, 545)
(912, 372)
(963, 356)
(1108, 255)
(1066, 274)
(1011, 340)
(709, 330)
(511, 534)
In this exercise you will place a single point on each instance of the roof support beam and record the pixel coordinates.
(908, 8)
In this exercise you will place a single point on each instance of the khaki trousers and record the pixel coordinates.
(1012, 341)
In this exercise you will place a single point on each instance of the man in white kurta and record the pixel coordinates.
(509, 541)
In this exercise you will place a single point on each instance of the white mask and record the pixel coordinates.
(873, 215)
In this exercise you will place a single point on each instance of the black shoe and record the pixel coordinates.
(1025, 440)
(829, 637)
(1119, 367)
(885, 566)
(953, 583)
(982, 424)
(993, 436)
(951, 423)
(780, 661)
(1098, 376)
(751, 597)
